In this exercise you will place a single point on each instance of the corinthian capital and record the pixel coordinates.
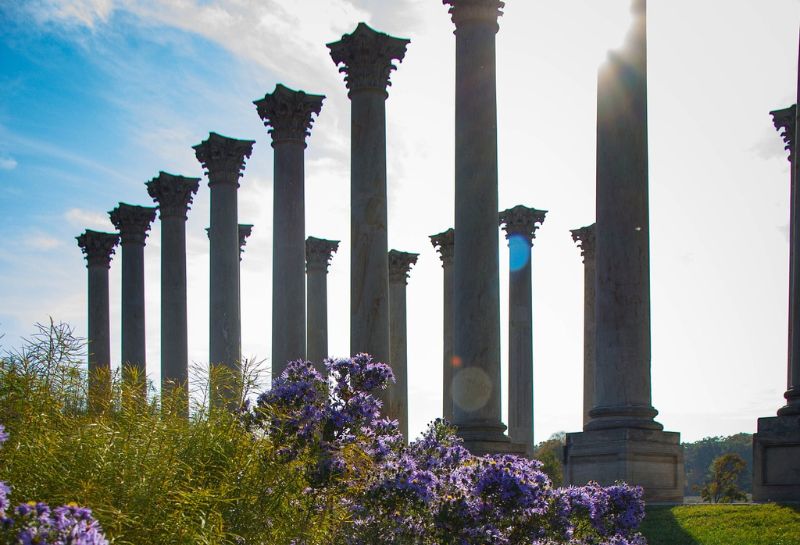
(319, 252)
(245, 230)
(366, 57)
(585, 239)
(522, 221)
(223, 158)
(132, 222)
(172, 193)
(785, 121)
(475, 11)
(97, 247)
(288, 112)
(445, 244)
(400, 265)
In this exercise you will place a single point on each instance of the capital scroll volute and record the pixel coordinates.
(785, 122)
(318, 253)
(223, 158)
(445, 244)
(400, 264)
(97, 247)
(288, 114)
(173, 194)
(133, 222)
(585, 238)
(522, 221)
(367, 56)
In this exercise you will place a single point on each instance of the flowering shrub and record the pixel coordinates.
(35, 523)
(432, 491)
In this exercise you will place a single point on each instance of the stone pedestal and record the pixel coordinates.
(652, 459)
(223, 159)
(318, 257)
(367, 59)
(174, 196)
(622, 418)
(776, 459)
(520, 224)
(476, 382)
(289, 113)
(133, 222)
(585, 239)
(98, 248)
(445, 244)
(399, 267)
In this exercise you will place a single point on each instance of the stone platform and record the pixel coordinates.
(482, 448)
(776, 459)
(650, 458)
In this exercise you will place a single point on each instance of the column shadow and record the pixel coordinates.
(660, 527)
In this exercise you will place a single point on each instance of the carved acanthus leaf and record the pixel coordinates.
(174, 194)
(366, 57)
(400, 265)
(97, 247)
(523, 221)
(785, 122)
(585, 237)
(445, 244)
(223, 157)
(475, 11)
(288, 113)
(132, 221)
(319, 252)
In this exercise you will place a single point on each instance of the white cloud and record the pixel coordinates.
(42, 242)
(82, 12)
(88, 219)
(7, 162)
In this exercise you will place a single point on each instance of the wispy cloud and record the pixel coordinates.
(82, 12)
(7, 162)
(42, 242)
(89, 219)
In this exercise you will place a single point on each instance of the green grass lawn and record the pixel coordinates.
(741, 524)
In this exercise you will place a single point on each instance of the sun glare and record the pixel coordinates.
(612, 21)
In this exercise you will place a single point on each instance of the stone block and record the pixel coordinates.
(776, 459)
(652, 459)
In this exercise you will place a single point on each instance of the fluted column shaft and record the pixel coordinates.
(399, 266)
(173, 195)
(366, 56)
(520, 224)
(289, 113)
(224, 159)
(98, 249)
(622, 379)
(318, 256)
(444, 243)
(585, 238)
(133, 222)
(476, 388)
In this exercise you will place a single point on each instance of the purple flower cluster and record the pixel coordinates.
(35, 523)
(432, 491)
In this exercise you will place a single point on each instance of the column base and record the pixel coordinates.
(652, 459)
(792, 407)
(479, 447)
(776, 459)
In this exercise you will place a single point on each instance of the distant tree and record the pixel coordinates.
(550, 453)
(722, 484)
(699, 455)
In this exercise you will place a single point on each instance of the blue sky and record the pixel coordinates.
(97, 96)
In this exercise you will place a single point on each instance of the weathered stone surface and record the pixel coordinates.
(652, 459)
(399, 268)
(98, 248)
(318, 257)
(224, 159)
(776, 459)
(476, 307)
(133, 222)
(445, 244)
(366, 57)
(520, 224)
(585, 239)
(290, 114)
(174, 195)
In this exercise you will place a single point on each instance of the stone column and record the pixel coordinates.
(289, 113)
(98, 248)
(245, 230)
(585, 239)
(622, 441)
(367, 59)
(521, 224)
(318, 257)
(223, 159)
(133, 222)
(174, 195)
(399, 267)
(776, 445)
(476, 384)
(445, 244)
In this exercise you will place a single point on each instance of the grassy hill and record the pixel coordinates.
(740, 524)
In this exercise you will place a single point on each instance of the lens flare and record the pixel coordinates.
(519, 252)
